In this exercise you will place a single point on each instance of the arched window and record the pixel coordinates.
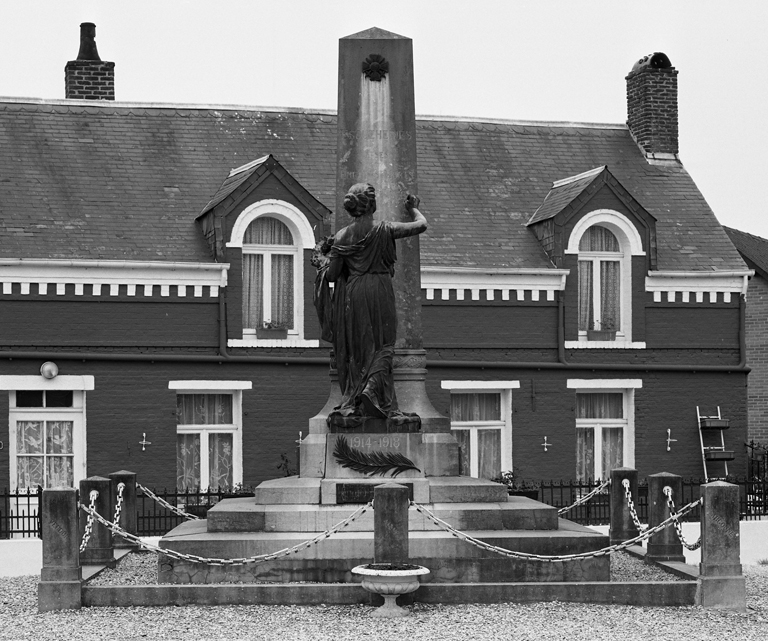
(604, 242)
(269, 270)
(600, 281)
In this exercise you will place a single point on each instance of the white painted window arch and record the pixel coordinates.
(273, 274)
(605, 280)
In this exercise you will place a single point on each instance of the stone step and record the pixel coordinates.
(434, 489)
(243, 515)
(449, 559)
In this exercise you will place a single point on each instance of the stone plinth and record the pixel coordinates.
(61, 577)
(721, 580)
(390, 523)
(128, 515)
(664, 545)
(623, 526)
(99, 550)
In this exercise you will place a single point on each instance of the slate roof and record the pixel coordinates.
(562, 194)
(114, 180)
(754, 249)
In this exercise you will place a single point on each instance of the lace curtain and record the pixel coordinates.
(268, 231)
(604, 405)
(599, 239)
(203, 409)
(478, 407)
(44, 454)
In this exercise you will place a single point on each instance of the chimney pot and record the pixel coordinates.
(88, 49)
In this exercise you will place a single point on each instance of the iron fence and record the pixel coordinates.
(20, 513)
(757, 461)
(152, 519)
(20, 517)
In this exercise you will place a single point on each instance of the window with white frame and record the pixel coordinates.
(273, 236)
(269, 275)
(604, 242)
(600, 263)
(47, 430)
(209, 433)
(481, 420)
(605, 434)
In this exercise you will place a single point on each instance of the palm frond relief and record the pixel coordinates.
(371, 463)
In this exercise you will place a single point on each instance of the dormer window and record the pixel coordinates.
(600, 262)
(269, 268)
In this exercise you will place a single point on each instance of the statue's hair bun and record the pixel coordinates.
(350, 202)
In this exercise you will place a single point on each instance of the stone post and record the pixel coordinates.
(622, 525)
(390, 523)
(128, 513)
(721, 584)
(61, 577)
(99, 549)
(664, 545)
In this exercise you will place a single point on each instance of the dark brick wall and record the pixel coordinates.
(106, 323)
(500, 326)
(757, 358)
(544, 406)
(691, 326)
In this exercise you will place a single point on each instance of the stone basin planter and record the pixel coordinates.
(390, 580)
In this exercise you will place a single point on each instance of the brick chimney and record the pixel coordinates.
(88, 78)
(652, 105)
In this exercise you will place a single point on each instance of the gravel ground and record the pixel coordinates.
(541, 621)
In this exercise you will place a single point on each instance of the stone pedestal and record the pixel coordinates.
(664, 545)
(128, 514)
(61, 576)
(622, 525)
(99, 549)
(721, 580)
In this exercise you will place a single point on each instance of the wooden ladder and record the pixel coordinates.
(714, 456)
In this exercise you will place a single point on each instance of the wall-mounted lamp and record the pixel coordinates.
(49, 370)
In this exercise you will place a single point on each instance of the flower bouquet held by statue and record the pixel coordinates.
(359, 317)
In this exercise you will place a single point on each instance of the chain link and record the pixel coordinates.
(540, 557)
(167, 505)
(678, 526)
(633, 512)
(193, 558)
(119, 506)
(89, 524)
(585, 498)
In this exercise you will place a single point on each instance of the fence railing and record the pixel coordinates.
(757, 460)
(19, 513)
(152, 519)
(19, 516)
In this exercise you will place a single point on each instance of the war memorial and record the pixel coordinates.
(379, 492)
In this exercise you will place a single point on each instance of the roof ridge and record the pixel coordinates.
(118, 104)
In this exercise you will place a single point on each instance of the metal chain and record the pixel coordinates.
(167, 505)
(119, 506)
(584, 499)
(540, 557)
(633, 512)
(89, 524)
(259, 558)
(678, 526)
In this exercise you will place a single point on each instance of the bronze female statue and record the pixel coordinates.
(360, 319)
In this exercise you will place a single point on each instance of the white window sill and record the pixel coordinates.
(291, 341)
(585, 344)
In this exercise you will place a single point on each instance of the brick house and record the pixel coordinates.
(754, 251)
(580, 299)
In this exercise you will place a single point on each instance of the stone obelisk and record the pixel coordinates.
(377, 144)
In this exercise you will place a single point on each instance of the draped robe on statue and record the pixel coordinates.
(363, 323)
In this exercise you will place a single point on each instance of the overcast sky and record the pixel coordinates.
(515, 59)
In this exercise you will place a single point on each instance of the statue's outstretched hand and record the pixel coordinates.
(411, 202)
